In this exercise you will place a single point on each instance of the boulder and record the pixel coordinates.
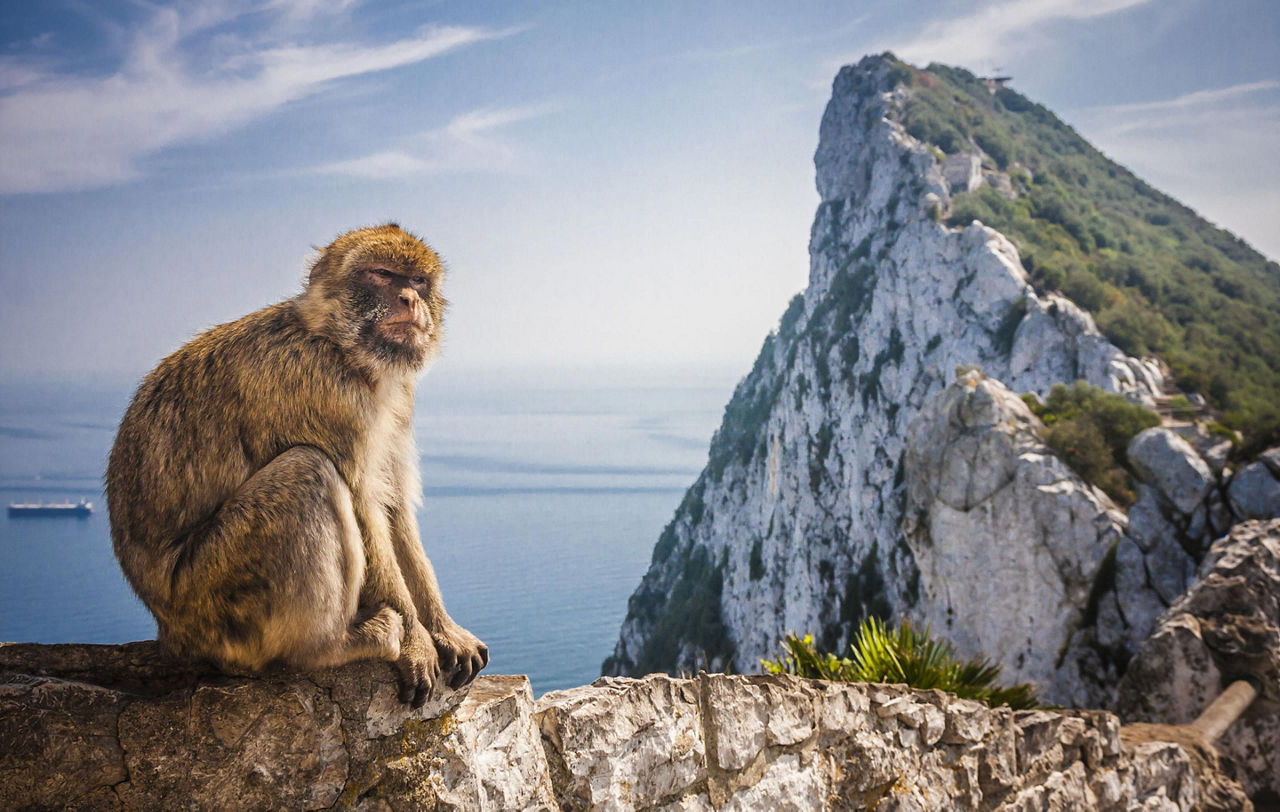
(989, 504)
(1166, 461)
(1255, 492)
(1271, 459)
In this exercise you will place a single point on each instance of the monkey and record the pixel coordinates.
(263, 481)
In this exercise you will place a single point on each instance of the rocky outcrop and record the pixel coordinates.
(1008, 540)
(1166, 461)
(101, 727)
(796, 523)
(1080, 584)
(1226, 627)
(1183, 505)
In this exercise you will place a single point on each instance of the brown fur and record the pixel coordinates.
(263, 481)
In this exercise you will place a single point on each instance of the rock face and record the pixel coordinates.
(797, 521)
(1182, 506)
(1008, 540)
(1226, 627)
(100, 727)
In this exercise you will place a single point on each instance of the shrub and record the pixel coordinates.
(1216, 429)
(1089, 429)
(995, 144)
(880, 654)
(1080, 445)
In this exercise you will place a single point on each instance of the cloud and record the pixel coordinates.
(470, 142)
(65, 131)
(1246, 112)
(1194, 103)
(998, 30)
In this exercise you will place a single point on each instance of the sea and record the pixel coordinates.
(544, 492)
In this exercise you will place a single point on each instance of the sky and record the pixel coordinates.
(609, 184)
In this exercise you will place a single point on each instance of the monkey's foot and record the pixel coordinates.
(419, 665)
(462, 655)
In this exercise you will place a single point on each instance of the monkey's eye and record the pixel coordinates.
(419, 280)
(383, 272)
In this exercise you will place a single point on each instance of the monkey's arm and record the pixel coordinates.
(385, 583)
(461, 653)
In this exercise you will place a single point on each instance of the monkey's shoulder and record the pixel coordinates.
(264, 383)
(269, 351)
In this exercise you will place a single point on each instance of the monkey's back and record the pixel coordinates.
(207, 418)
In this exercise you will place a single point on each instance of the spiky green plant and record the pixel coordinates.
(901, 655)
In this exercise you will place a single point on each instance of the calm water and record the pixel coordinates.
(543, 498)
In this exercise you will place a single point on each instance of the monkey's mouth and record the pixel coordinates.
(403, 329)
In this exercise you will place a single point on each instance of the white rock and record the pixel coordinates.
(1255, 493)
(624, 743)
(1271, 459)
(1163, 459)
(1009, 540)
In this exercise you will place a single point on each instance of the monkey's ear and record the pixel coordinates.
(320, 267)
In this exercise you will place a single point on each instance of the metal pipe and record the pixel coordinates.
(1224, 710)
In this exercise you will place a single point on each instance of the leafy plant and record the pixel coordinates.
(901, 655)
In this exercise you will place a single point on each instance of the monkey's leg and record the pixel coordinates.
(275, 575)
(375, 638)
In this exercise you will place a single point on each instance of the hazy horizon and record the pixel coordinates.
(610, 186)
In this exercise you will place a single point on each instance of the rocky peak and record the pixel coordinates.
(796, 524)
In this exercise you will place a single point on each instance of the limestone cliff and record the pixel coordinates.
(797, 522)
(116, 727)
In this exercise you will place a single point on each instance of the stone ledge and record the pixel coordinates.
(119, 727)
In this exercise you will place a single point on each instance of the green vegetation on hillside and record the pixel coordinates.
(1157, 278)
(688, 614)
(1090, 430)
(881, 654)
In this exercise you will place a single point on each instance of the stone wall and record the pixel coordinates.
(117, 727)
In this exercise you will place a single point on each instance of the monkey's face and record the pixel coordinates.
(376, 291)
(394, 308)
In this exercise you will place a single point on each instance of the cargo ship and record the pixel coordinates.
(33, 509)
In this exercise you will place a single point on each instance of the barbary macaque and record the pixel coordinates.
(263, 482)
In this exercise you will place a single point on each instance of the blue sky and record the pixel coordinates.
(609, 183)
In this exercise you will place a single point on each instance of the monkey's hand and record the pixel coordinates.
(462, 655)
(419, 665)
